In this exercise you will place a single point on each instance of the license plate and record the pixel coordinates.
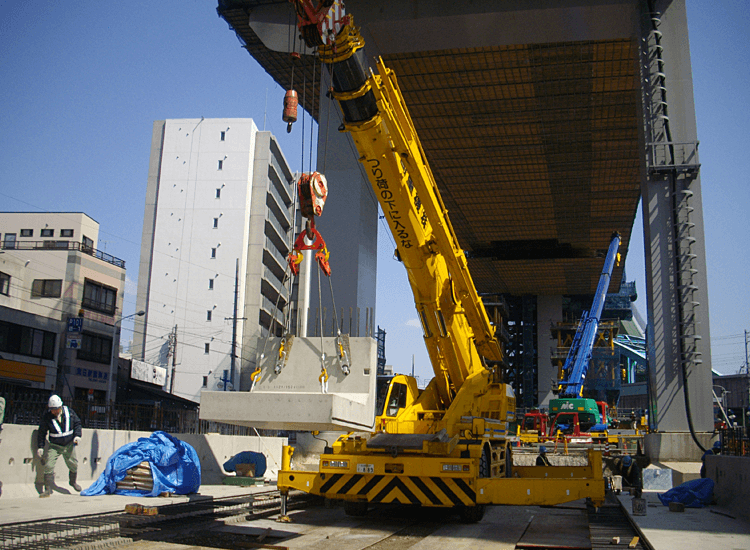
(365, 468)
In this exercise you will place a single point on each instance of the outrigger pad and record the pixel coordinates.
(404, 441)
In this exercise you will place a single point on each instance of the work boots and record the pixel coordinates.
(49, 482)
(72, 481)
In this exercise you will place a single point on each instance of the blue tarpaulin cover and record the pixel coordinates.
(247, 457)
(175, 467)
(693, 494)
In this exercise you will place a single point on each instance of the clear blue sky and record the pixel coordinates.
(82, 82)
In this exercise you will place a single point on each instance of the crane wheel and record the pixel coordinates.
(472, 514)
(484, 462)
(355, 509)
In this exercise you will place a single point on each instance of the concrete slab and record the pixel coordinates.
(293, 399)
(693, 529)
(500, 529)
(558, 528)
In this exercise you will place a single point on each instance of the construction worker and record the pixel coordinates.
(64, 429)
(542, 459)
(715, 450)
(631, 474)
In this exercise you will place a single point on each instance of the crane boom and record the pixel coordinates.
(456, 326)
(577, 362)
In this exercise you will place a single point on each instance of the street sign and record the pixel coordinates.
(75, 324)
(73, 342)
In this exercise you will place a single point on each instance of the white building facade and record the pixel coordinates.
(217, 228)
(60, 300)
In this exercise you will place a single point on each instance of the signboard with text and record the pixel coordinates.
(75, 324)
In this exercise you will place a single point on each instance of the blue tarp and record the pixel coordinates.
(247, 457)
(693, 494)
(175, 467)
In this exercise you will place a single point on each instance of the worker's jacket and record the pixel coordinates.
(61, 431)
(632, 475)
(542, 460)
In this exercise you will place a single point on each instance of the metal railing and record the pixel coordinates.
(734, 441)
(63, 245)
(146, 418)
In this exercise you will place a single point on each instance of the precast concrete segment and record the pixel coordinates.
(293, 399)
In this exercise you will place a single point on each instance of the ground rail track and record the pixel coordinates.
(113, 528)
(190, 522)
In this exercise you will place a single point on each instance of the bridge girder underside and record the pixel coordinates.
(535, 149)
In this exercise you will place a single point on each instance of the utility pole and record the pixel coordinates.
(234, 318)
(173, 346)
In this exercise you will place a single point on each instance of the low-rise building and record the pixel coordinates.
(60, 299)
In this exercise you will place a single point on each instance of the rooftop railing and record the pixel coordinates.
(63, 245)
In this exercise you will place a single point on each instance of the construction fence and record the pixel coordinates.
(148, 418)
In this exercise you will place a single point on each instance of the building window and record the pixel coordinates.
(208, 348)
(9, 241)
(205, 381)
(4, 283)
(28, 341)
(27, 232)
(95, 348)
(98, 297)
(216, 223)
(213, 252)
(66, 233)
(223, 135)
(208, 315)
(48, 232)
(221, 165)
(88, 244)
(218, 193)
(46, 288)
(210, 284)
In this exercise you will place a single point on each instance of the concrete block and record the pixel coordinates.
(657, 479)
(731, 490)
(675, 446)
(676, 507)
(293, 399)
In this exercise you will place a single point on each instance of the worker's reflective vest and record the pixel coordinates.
(62, 431)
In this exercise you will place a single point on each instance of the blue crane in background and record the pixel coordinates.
(579, 357)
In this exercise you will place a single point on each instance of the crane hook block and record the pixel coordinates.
(312, 189)
(290, 109)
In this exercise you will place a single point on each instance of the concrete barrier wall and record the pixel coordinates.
(676, 446)
(730, 475)
(21, 471)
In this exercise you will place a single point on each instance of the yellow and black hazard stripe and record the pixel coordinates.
(428, 491)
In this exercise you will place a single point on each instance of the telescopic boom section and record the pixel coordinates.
(456, 327)
(579, 356)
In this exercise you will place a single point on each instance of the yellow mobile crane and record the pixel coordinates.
(447, 445)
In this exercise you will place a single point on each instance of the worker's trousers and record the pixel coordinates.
(68, 452)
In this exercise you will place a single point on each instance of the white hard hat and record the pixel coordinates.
(54, 402)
